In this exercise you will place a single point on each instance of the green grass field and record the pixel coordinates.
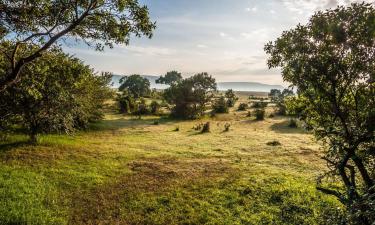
(129, 171)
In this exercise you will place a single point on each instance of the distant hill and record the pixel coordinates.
(236, 86)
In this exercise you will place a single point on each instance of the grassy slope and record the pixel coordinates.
(128, 171)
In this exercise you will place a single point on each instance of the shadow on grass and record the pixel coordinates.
(283, 127)
(130, 122)
(11, 145)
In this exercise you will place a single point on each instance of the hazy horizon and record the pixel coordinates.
(225, 39)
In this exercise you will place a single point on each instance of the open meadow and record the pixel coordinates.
(126, 170)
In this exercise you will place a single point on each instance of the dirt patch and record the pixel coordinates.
(102, 204)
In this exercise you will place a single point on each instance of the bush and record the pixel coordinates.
(126, 103)
(293, 123)
(142, 108)
(177, 129)
(154, 107)
(156, 122)
(206, 128)
(259, 114)
(231, 98)
(273, 143)
(260, 104)
(220, 105)
(248, 114)
(243, 107)
(227, 127)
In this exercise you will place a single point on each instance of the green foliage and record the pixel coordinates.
(331, 62)
(259, 114)
(274, 94)
(126, 103)
(141, 108)
(42, 23)
(172, 77)
(259, 104)
(220, 105)
(231, 97)
(135, 85)
(190, 96)
(243, 107)
(154, 107)
(58, 93)
(293, 123)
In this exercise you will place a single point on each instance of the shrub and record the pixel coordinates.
(154, 107)
(177, 129)
(206, 128)
(126, 103)
(220, 105)
(259, 114)
(248, 114)
(141, 108)
(271, 115)
(260, 104)
(231, 98)
(243, 107)
(156, 122)
(293, 123)
(227, 127)
(273, 143)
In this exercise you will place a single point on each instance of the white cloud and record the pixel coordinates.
(222, 34)
(151, 51)
(310, 6)
(253, 9)
(202, 46)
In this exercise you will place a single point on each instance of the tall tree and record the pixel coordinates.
(34, 26)
(135, 85)
(331, 61)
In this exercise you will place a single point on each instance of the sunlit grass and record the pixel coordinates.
(130, 171)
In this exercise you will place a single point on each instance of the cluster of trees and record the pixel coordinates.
(331, 63)
(42, 89)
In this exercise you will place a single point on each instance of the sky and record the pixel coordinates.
(222, 37)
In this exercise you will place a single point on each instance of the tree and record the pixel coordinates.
(274, 94)
(190, 96)
(136, 85)
(39, 24)
(170, 78)
(57, 93)
(220, 105)
(280, 101)
(331, 62)
(231, 97)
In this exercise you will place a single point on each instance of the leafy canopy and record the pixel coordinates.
(34, 26)
(135, 85)
(190, 96)
(170, 78)
(331, 61)
(57, 93)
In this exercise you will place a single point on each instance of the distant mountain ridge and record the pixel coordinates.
(236, 86)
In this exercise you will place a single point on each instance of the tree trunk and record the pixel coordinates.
(364, 174)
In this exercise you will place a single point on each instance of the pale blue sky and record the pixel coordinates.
(222, 37)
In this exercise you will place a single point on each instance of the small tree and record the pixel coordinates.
(126, 102)
(220, 105)
(190, 96)
(231, 97)
(243, 107)
(154, 107)
(172, 77)
(42, 23)
(274, 95)
(331, 62)
(135, 85)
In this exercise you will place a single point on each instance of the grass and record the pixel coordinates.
(129, 171)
